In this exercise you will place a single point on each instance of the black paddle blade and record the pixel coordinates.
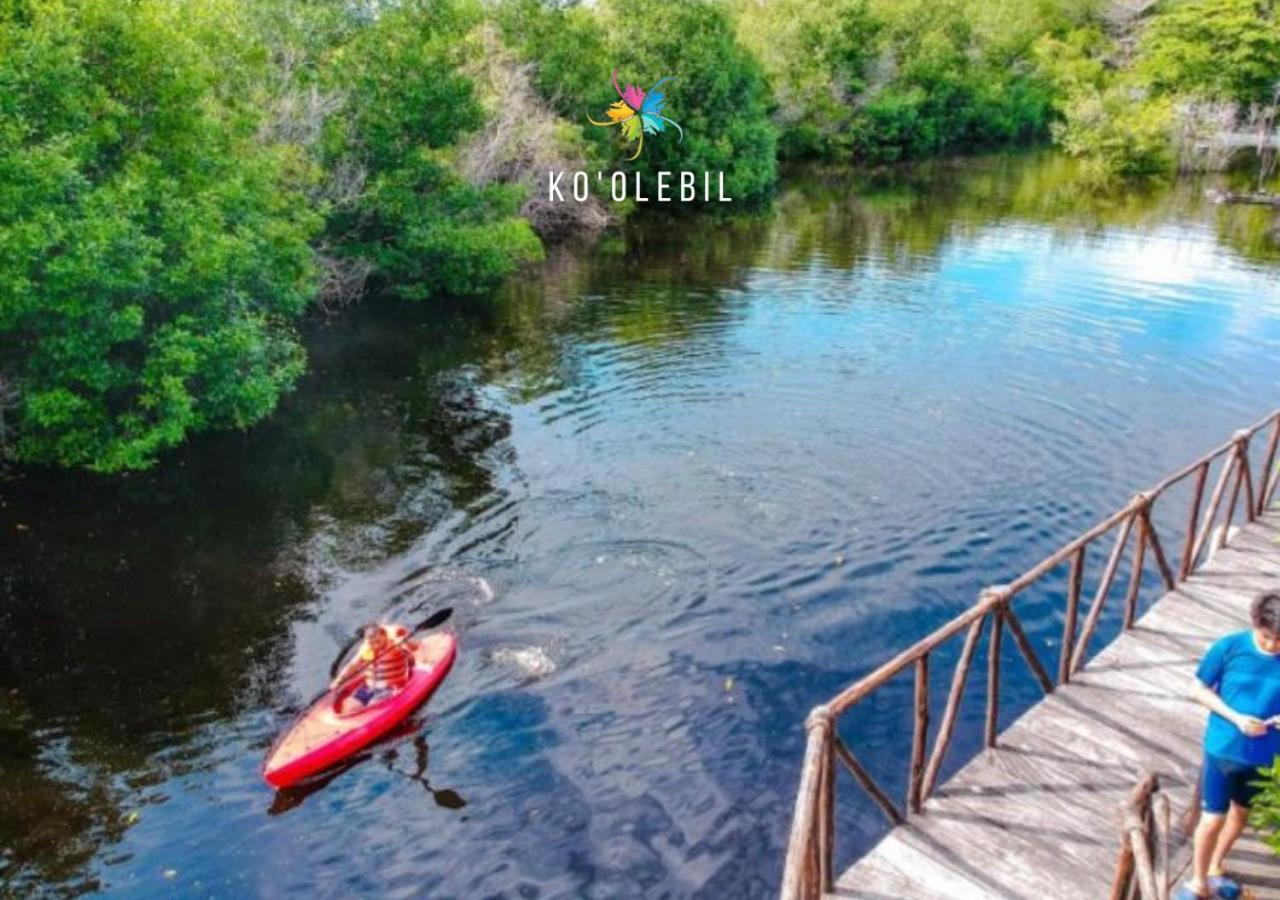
(435, 620)
(448, 798)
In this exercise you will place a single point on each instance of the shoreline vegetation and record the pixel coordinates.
(182, 182)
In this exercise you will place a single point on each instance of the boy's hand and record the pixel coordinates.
(1251, 726)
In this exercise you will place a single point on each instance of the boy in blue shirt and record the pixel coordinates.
(1238, 681)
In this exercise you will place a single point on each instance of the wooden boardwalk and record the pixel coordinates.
(1037, 817)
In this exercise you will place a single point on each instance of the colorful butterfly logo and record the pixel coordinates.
(638, 112)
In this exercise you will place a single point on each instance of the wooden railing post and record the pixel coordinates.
(1215, 501)
(1188, 547)
(1024, 645)
(1241, 454)
(801, 877)
(1074, 580)
(891, 812)
(827, 815)
(1264, 486)
(1152, 539)
(947, 727)
(1246, 472)
(1135, 574)
(993, 673)
(1100, 598)
(1134, 857)
(920, 734)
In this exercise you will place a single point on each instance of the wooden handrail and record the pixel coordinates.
(809, 865)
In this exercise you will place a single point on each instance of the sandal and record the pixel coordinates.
(1224, 886)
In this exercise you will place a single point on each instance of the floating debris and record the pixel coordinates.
(533, 662)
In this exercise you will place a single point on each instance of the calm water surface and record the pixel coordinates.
(677, 490)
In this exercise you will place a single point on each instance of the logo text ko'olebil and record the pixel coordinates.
(637, 113)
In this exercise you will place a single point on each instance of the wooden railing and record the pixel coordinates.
(809, 868)
(1142, 866)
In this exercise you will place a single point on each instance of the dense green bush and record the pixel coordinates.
(717, 91)
(1135, 113)
(1118, 130)
(879, 81)
(152, 253)
(179, 178)
(1221, 49)
(1265, 812)
(816, 55)
(423, 227)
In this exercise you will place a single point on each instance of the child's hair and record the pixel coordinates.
(1266, 611)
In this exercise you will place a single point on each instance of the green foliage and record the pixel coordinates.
(1118, 131)
(882, 81)
(423, 227)
(816, 55)
(566, 47)
(1124, 119)
(176, 175)
(1264, 814)
(1220, 49)
(152, 253)
(717, 92)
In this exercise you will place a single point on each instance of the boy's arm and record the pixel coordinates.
(1208, 698)
(348, 670)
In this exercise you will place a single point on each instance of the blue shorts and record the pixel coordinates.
(1225, 781)
(367, 695)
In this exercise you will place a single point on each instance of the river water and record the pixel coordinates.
(677, 489)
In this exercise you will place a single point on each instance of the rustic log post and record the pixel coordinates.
(920, 734)
(993, 679)
(1247, 472)
(1135, 573)
(1161, 812)
(947, 727)
(1157, 549)
(1074, 580)
(1136, 834)
(1241, 441)
(797, 873)
(1123, 876)
(1215, 501)
(1267, 496)
(1220, 539)
(826, 819)
(856, 769)
(1193, 520)
(1024, 645)
(1100, 598)
(1133, 813)
(1268, 461)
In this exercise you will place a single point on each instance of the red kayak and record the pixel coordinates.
(335, 726)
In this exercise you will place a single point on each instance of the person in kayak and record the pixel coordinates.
(386, 660)
(1239, 681)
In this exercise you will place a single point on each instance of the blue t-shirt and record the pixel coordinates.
(1248, 681)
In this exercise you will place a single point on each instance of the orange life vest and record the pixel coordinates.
(392, 667)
